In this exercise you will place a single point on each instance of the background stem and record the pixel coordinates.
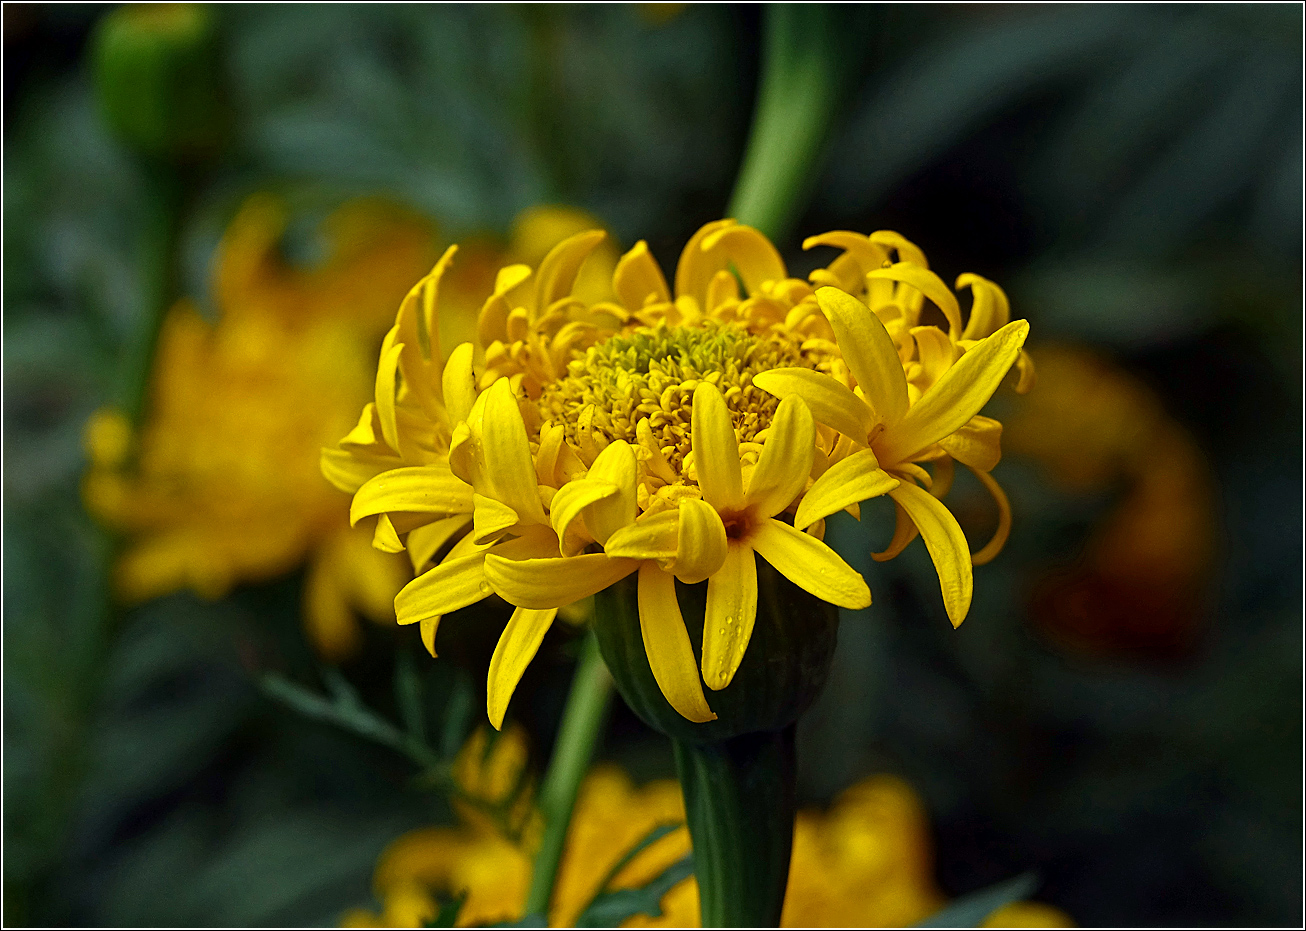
(582, 722)
(797, 96)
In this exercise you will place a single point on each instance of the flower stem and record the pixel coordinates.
(739, 802)
(582, 722)
(797, 96)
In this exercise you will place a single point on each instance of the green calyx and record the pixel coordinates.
(783, 670)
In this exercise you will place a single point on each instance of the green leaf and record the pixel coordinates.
(610, 909)
(969, 911)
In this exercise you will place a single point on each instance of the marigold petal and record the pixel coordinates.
(929, 284)
(786, 460)
(848, 482)
(976, 443)
(387, 371)
(558, 271)
(570, 503)
(904, 531)
(652, 537)
(716, 450)
(748, 251)
(989, 311)
(869, 351)
(459, 383)
(508, 463)
(554, 582)
(811, 565)
(867, 254)
(730, 615)
(701, 541)
(490, 518)
(424, 542)
(956, 397)
(349, 470)
(638, 280)
(666, 644)
(995, 545)
(829, 401)
(947, 546)
(616, 466)
(457, 582)
(516, 648)
(385, 538)
(429, 489)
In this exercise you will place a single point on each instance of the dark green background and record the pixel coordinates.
(1133, 177)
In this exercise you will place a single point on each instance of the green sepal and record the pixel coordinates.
(783, 670)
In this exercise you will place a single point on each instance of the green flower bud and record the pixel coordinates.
(782, 672)
(157, 77)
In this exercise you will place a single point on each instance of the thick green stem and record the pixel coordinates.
(582, 722)
(739, 802)
(797, 97)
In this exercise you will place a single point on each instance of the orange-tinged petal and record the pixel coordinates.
(730, 615)
(556, 582)
(829, 401)
(849, 481)
(956, 397)
(869, 351)
(429, 489)
(716, 450)
(666, 643)
(786, 460)
(516, 648)
(638, 280)
(811, 565)
(947, 546)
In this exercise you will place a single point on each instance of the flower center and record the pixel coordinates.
(651, 375)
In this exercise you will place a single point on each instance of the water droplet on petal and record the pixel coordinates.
(486, 587)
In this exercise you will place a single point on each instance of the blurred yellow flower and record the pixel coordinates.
(221, 483)
(677, 433)
(1137, 589)
(865, 862)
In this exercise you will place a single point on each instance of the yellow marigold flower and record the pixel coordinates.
(676, 435)
(223, 484)
(864, 862)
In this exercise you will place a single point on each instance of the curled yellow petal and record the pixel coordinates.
(666, 643)
(491, 518)
(348, 470)
(730, 615)
(700, 541)
(829, 401)
(956, 397)
(716, 450)
(867, 254)
(869, 351)
(430, 489)
(387, 373)
(385, 538)
(559, 269)
(554, 582)
(569, 505)
(947, 546)
(516, 648)
(929, 284)
(459, 383)
(749, 252)
(616, 466)
(990, 309)
(811, 565)
(849, 481)
(424, 542)
(652, 537)
(786, 460)
(977, 443)
(904, 531)
(995, 545)
(638, 280)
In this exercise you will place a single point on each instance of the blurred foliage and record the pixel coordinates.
(1131, 174)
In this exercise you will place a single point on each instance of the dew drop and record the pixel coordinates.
(486, 587)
